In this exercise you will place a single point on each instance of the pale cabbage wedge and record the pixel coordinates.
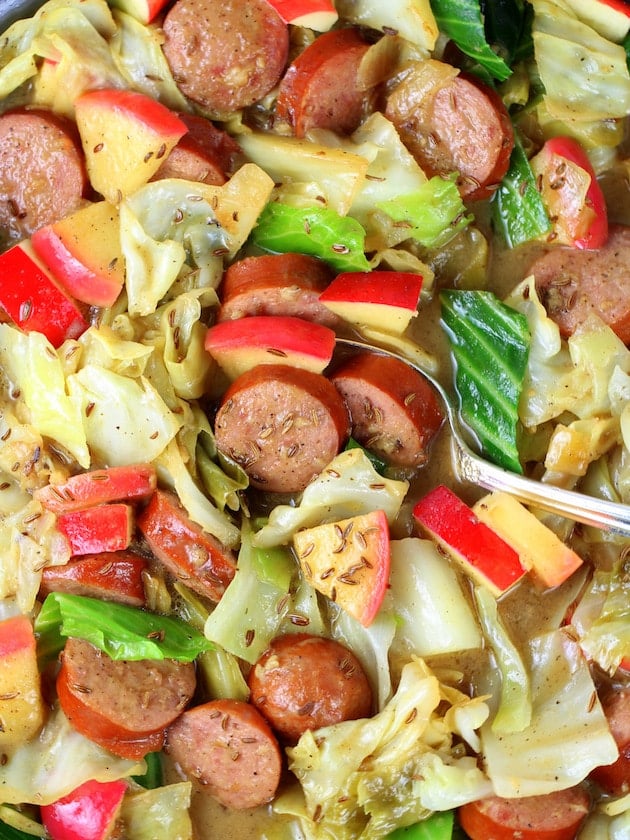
(413, 20)
(366, 777)
(56, 762)
(30, 541)
(137, 51)
(171, 222)
(348, 486)
(35, 369)
(433, 615)
(334, 174)
(568, 735)
(158, 814)
(585, 75)
(561, 376)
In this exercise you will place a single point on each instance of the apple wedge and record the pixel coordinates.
(480, 552)
(384, 299)
(319, 15)
(244, 343)
(348, 561)
(143, 10)
(541, 551)
(125, 136)
(32, 298)
(83, 252)
(22, 707)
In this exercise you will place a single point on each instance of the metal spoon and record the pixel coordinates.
(470, 467)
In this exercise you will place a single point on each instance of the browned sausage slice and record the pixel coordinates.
(554, 816)
(225, 55)
(228, 747)
(461, 127)
(276, 284)
(282, 424)
(110, 576)
(187, 551)
(615, 778)
(573, 283)
(394, 411)
(42, 171)
(305, 682)
(205, 153)
(321, 89)
(120, 702)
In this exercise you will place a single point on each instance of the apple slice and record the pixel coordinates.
(83, 252)
(319, 15)
(32, 298)
(348, 561)
(239, 345)
(98, 487)
(482, 554)
(97, 529)
(611, 18)
(22, 706)
(541, 551)
(384, 299)
(143, 10)
(126, 136)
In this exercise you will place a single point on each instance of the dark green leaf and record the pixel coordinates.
(7, 832)
(379, 465)
(490, 344)
(507, 25)
(154, 776)
(462, 22)
(517, 208)
(120, 631)
(318, 231)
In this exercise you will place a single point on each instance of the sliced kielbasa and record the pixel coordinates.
(615, 778)
(184, 548)
(461, 126)
(394, 411)
(573, 283)
(305, 682)
(276, 284)
(42, 171)
(122, 704)
(205, 153)
(553, 816)
(110, 576)
(225, 55)
(228, 747)
(282, 424)
(321, 87)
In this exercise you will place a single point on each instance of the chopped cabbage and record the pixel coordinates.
(602, 618)
(251, 609)
(35, 369)
(411, 19)
(348, 486)
(158, 814)
(125, 420)
(432, 613)
(568, 735)
(367, 777)
(585, 75)
(167, 222)
(332, 176)
(137, 51)
(56, 762)
(371, 645)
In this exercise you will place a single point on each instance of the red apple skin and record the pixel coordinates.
(390, 288)
(315, 14)
(33, 300)
(63, 257)
(136, 106)
(481, 552)
(143, 10)
(245, 342)
(134, 482)
(97, 529)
